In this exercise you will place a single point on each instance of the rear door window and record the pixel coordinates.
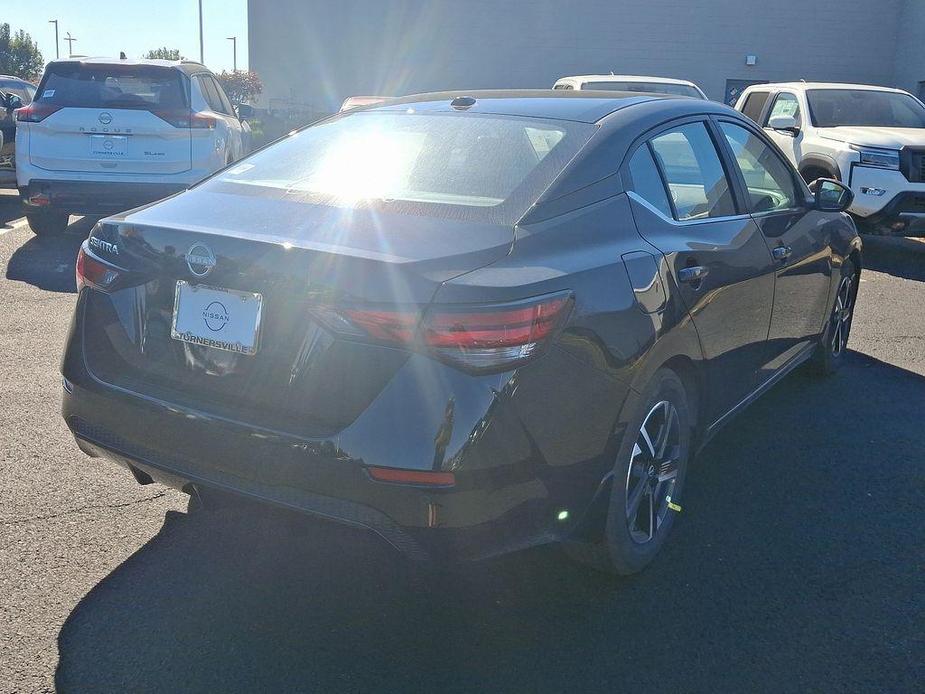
(143, 87)
(647, 181)
(754, 105)
(694, 172)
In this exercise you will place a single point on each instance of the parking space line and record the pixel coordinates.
(15, 224)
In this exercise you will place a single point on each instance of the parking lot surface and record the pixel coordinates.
(797, 564)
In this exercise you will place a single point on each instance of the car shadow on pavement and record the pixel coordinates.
(793, 562)
(47, 262)
(900, 257)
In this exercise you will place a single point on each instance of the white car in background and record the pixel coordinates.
(104, 135)
(632, 83)
(870, 138)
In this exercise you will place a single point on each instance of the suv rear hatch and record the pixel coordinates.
(111, 118)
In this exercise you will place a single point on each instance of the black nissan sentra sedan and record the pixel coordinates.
(468, 322)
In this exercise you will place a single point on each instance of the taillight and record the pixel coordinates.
(34, 112)
(475, 338)
(94, 273)
(491, 337)
(184, 118)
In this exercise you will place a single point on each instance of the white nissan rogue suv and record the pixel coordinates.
(104, 135)
(870, 138)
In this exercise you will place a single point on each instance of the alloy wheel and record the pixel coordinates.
(653, 471)
(841, 316)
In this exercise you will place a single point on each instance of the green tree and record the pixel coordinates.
(164, 53)
(241, 86)
(19, 55)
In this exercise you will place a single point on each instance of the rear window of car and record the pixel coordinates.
(142, 87)
(20, 89)
(649, 87)
(462, 165)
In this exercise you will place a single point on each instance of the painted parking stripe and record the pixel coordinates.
(15, 224)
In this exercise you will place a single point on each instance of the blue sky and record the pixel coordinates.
(105, 27)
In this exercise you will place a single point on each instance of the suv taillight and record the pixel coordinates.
(184, 118)
(480, 338)
(91, 272)
(34, 112)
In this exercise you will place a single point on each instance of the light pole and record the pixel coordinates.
(70, 45)
(57, 47)
(202, 58)
(234, 52)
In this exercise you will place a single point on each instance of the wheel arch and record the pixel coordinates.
(819, 162)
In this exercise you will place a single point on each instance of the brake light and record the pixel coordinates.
(475, 338)
(184, 118)
(91, 272)
(34, 112)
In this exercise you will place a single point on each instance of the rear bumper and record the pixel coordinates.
(93, 197)
(482, 516)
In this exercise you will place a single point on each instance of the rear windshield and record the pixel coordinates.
(649, 87)
(20, 89)
(460, 165)
(113, 86)
(833, 107)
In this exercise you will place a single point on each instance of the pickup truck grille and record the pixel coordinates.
(913, 167)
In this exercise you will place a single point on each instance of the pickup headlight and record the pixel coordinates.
(881, 158)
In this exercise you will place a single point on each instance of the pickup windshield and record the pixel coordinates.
(831, 108)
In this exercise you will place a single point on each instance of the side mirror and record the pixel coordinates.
(245, 111)
(12, 102)
(831, 195)
(785, 123)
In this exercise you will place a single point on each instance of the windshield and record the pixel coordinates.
(830, 108)
(113, 86)
(21, 89)
(439, 164)
(650, 87)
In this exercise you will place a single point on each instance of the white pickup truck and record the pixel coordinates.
(870, 138)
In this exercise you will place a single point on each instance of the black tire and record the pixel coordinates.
(811, 174)
(625, 548)
(833, 343)
(47, 223)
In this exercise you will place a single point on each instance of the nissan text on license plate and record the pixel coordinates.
(219, 318)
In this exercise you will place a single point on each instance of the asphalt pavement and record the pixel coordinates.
(796, 565)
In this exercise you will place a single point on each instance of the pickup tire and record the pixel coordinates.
(47, 223)
(812, 172)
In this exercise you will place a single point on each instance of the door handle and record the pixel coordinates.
(781, 252)
(693, 274)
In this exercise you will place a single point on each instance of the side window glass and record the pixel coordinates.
(785, 105)
(768, 178)
(647, 182)
(693, 172)
(754, 104)
(223, 100)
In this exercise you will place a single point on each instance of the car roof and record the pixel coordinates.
(625, 78)
(187, 66)
(583, 106)
(823, 85)
(13, 78)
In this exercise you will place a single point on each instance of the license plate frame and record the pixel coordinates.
(117, 146)
(200, 322)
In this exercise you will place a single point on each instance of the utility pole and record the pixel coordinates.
(234, 52)
(202, 58)
(70, 45)
(57, 45)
